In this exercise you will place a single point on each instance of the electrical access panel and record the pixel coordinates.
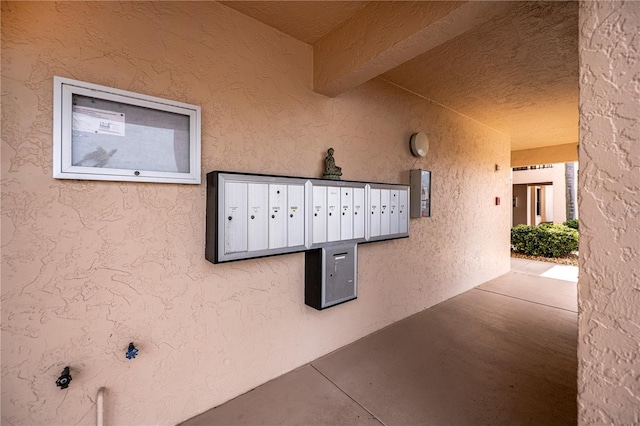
(331, 275)
(420, 193)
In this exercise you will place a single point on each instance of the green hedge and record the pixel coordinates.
(547, 241)
(573, 224)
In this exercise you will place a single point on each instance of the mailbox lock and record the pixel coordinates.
(315, 214)
(253, 217)
(230, 218)
(273, 216)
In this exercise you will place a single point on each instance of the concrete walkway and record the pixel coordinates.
(503, 353)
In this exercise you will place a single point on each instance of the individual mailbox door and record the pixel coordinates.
(346, 213)
(374, 206)
(277, 216)
(319, 218)
(358, 212)
(393, 212)
(385, 194)
(403, 211)
(333, 213)
(235, 217)
(258, 216)
(295, 213)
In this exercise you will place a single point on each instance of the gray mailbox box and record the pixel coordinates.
(331, 275)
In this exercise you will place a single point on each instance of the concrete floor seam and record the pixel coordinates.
(348, 396)
(525, 300)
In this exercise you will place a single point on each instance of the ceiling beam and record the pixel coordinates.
(545, 155)
(386, 34)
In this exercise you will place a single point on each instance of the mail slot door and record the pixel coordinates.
(385, 201)
(235, 217)
(295, 219)
(333, 213)
(358, 212)
(393, 212)
(258, 216)
(319, 211)
(374, 207)
(277, 216)
(403, 211)
(346, 213)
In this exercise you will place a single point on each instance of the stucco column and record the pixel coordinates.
(609, 203)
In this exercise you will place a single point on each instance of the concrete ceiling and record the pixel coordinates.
(512, 66)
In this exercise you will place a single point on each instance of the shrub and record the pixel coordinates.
(573, 224)
(519, 235)
(547, 241)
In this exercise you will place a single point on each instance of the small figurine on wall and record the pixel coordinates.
(331, 171)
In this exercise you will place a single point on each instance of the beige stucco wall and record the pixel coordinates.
(609, 286)
(89, 266)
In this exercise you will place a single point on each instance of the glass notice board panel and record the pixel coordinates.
(103, 133)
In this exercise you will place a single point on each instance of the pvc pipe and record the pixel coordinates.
(100, 407)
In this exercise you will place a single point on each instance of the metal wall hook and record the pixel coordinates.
(64, 379)
(132, 351)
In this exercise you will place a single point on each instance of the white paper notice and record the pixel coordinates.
(95, 120)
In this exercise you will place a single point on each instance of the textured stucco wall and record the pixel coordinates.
(89, 266)
(609, 287)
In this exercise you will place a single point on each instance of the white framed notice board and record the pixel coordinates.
(102, 133)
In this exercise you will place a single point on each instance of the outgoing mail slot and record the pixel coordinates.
(295, 216)
(235, 217)
(385, 201)
(258, 216)
(331, 275)
(358, 212)
(393, 212)
(277, 216)
(333, 213)
(374, 206)
(319, 212)
(346, 213)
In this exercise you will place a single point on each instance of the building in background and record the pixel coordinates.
(540, 193)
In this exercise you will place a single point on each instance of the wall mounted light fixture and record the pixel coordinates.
(419, 144)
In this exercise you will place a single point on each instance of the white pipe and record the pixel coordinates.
(100, 408)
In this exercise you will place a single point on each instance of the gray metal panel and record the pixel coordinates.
(340, 274)
(420, 205)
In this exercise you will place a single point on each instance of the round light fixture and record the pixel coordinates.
(419, 144)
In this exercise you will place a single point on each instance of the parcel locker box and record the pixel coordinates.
(331, 275)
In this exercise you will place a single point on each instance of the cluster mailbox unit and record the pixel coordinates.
(250, 215)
